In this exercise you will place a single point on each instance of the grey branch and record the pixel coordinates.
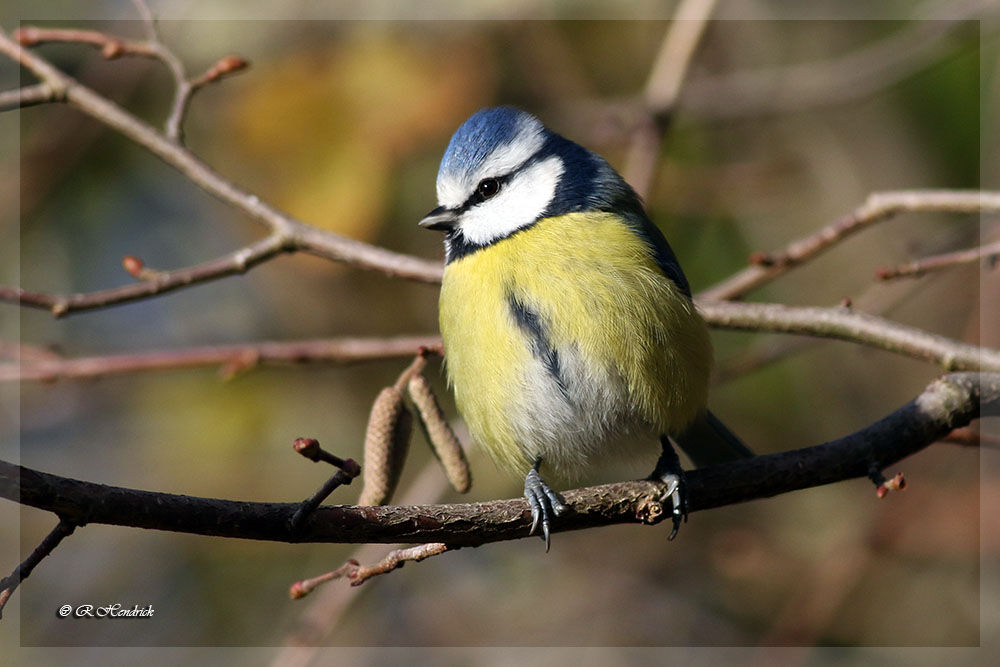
(877, 207)
(229, 358)
(158, 282)
(291, 234)
(845, 324)
(917, 268)
(663, 89)
(950, 402)
(27, 96)
(837, 80)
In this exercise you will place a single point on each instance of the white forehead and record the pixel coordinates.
(455, 185)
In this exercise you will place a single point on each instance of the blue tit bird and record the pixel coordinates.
(568, 324)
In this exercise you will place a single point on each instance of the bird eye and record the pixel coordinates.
(487, 188)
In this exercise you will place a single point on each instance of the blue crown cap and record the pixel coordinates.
(479, 136)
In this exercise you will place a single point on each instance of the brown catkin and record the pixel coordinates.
(386, 441)
(443, 440)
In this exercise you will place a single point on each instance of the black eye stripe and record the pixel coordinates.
(478, 198)
(479, 195)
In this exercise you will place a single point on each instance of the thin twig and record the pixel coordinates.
(845, 324)
(395, 559)
(348, 469)
(948, 403)
(158, 282)
(296, 235)
(310, 449)
(64, 528)
(837, 80)
(359, 574)
(326, 609)
(187, 88)
(148, 19)
(231, 358)
(300, 589)
(938, 262)
(309, 505)
(27, 96)
(110, 46)
(878, 207)
(663, 88)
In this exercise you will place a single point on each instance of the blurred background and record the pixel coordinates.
(782, 127)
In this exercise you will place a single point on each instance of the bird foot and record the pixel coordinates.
(544, 503)
(668, 470)
(676, 491)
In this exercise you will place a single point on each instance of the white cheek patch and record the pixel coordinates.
(520, 201)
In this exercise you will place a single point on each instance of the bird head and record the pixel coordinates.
(504, 170)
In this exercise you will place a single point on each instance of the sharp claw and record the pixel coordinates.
(669, 471)
(544, 503)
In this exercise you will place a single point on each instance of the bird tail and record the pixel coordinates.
(707, 441)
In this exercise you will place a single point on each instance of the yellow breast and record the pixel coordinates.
(626, 350)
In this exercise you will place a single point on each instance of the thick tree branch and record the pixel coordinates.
(948, 403)
(878, 206)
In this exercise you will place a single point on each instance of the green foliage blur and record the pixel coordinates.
(342, 123)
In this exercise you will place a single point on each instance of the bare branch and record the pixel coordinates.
(112, 46)
(845, 324)
(109, 45)
(7, 585)
(879, 206)
(949, 402)
(837, 80)
(148, 19)
(300, 589)
(187, 88)
(326, 609)
(344, 476)
(295, 235)
(663, 88)
(838, 323)
(155, 282)
(27, 96)
(938, 262)
(359, 574)
(395, 559)
(231, 358)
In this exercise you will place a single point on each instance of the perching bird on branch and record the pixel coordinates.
(568, 324)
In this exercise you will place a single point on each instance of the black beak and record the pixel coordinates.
(440, 219)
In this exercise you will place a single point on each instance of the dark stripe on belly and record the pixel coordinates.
(531, 324)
